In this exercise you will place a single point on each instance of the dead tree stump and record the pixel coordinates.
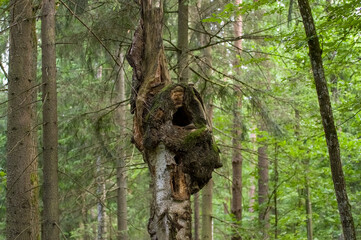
(170, 128)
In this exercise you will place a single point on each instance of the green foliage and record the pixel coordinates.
(4, 3)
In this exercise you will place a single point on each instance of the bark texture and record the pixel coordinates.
(22, 220)
(50, 225)
(170, 129)
(338, 178)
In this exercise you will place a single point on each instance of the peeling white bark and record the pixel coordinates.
(169, 217)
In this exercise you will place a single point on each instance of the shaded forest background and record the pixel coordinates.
(264, 109)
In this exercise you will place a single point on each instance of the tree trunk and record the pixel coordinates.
(121, 162)
(252, 188)
(170, 129)
(196, 215)
(50, 225)
(307, 192)
(100, 180)
(84, 218)
(183, 70)
(236, 204)
(338, 178)
(207, 221)
(237, 160)
(207, 192)
(275, 195)
(263, 188)
(101, 200)
(22, 219)
(308, 209)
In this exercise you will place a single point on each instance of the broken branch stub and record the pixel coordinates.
(177, 119)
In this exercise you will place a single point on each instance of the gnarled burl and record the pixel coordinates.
(170, 128)
(178, 120)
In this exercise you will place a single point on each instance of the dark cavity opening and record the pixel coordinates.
(177, 159)
(182, 117)
(175, 184)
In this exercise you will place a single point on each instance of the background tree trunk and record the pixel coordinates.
(207, 222)
(237, 160)
(252, 188)
(183, 70)
(101, 193)
(50, 226)
(263, 189)
(196, 215)
(22, 217)
(207, 191)
(308, 207)
(338, 178)
(275, 195)
(307, 190)
(100, 180)
(121, 162)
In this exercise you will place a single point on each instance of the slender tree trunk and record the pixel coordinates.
(338, 178)
(275, 195)
(207, 221)
(237, 160)
(22, 217)
(84, 218)
(252, 188)
(121, 162)
(50, 226)
(307, 192)
(308, 209)
(100, 181)
(263, 188)
(196, 215)
(207, 192)
(101, 200)
(183, 70)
